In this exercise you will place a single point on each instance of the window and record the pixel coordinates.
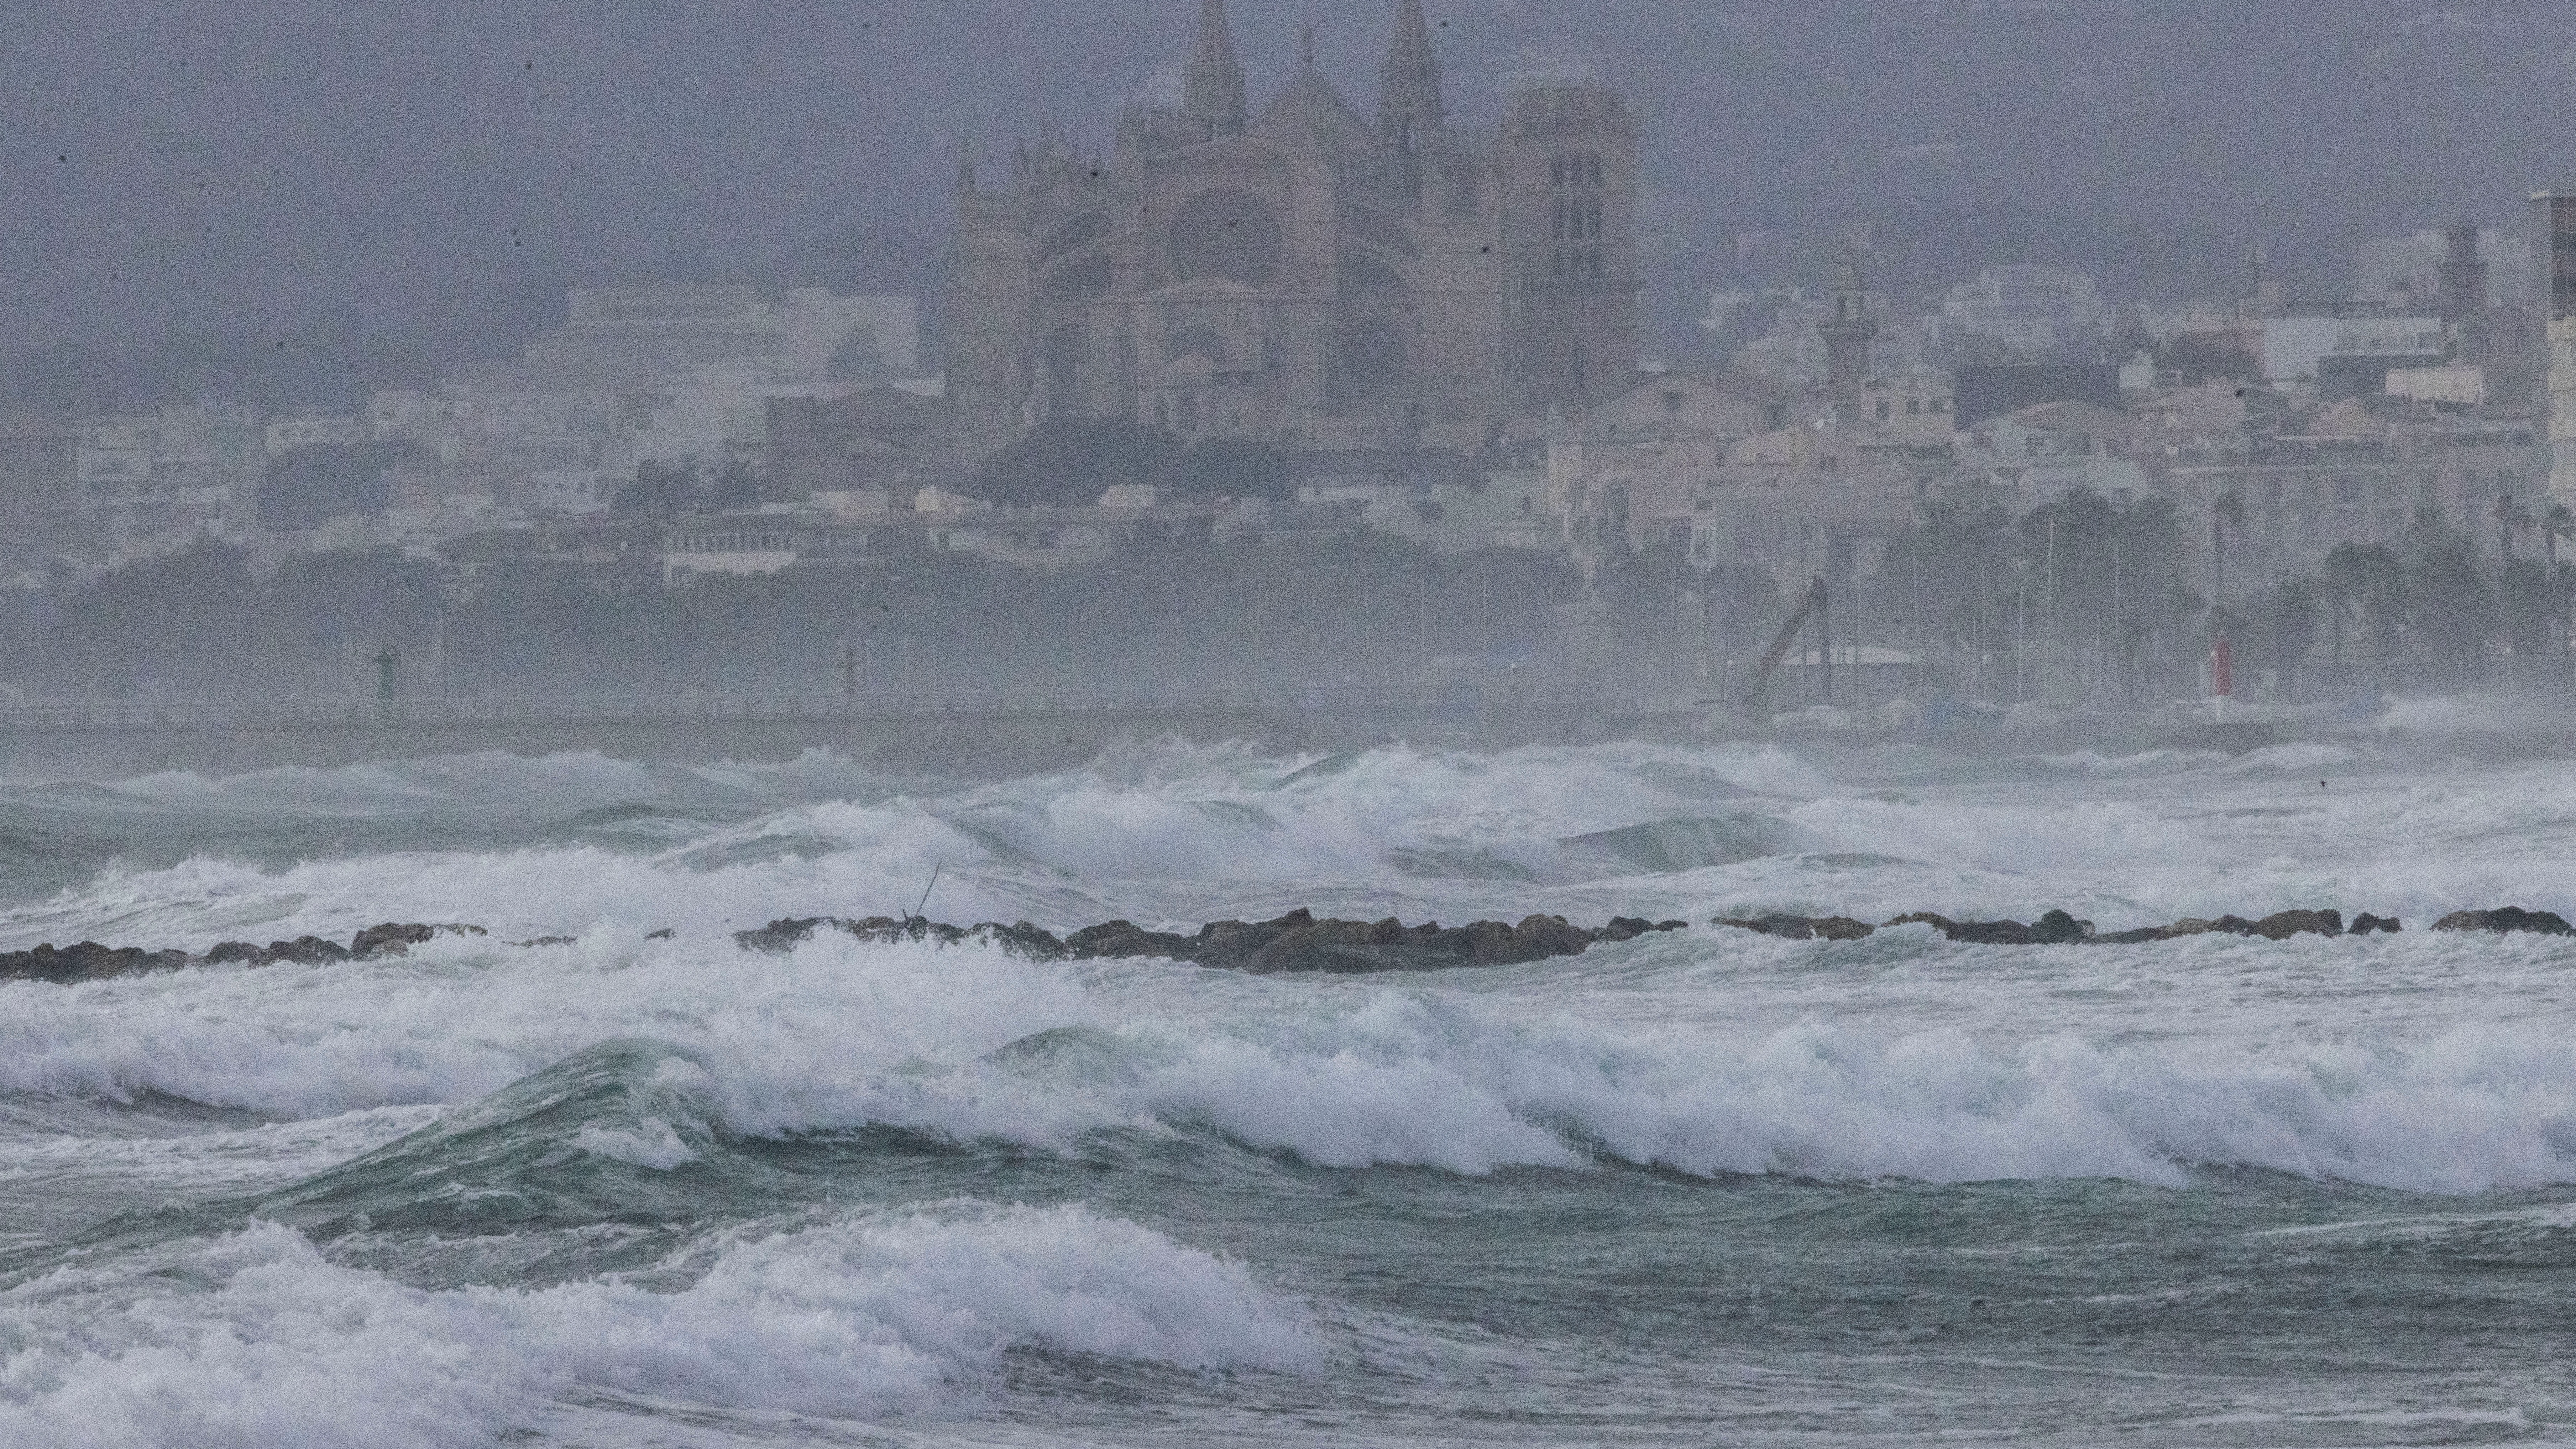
(1884, 408)
(1913, 406)
(1940, 405)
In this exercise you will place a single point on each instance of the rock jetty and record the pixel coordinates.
(2058, 928)
(1297, 941)
(90, 961)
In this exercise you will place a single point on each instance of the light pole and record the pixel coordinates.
(2021, 628)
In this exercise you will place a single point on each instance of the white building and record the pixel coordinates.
(2294, 346)
(749, 545)
(305, 430)
(2444, 386)
(2402, 273)
(154, 481)
(810, 335)
(2034, 311)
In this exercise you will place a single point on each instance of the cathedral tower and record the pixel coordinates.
(1310, 275)
(1213, 94)
(1410, 112)
(1568, 158)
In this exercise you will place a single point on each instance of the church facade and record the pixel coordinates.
(1307, 276)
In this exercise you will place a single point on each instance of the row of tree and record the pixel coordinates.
(2427, 608)
(2107, 578)
(1973, 582)
(203, 625)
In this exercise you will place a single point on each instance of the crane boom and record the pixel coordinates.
(1815, 603)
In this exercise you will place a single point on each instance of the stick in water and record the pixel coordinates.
(935, 867)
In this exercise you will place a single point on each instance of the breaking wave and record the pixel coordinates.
(257, 1340)
(969, 1045)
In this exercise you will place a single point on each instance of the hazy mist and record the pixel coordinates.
(401, 187)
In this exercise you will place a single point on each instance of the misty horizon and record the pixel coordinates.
(420, 177)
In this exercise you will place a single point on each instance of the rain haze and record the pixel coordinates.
(1322, 722)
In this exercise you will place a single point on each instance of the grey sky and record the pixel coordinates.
(173, 167)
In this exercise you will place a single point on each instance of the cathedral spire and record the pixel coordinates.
(1212, 88)
(1409, 106)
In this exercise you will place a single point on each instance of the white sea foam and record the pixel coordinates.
(970, 1044)
(256, 1341)
(2389, 1062)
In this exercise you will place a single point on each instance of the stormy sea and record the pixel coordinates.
(603, 1177)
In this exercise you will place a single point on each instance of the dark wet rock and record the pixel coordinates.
(1802, 928)
(1020, 939)
(305, 951)
(1122, 940)
(2199, 926)
(2365, 923)
(1999, 933)
(231, 952)
(2137, 937)
(390, 939)
(2058, 928)
(664, 934)
(85, 961)
(2278, 926)
(2282, 925)
(1298, 942)
(2505, 919)
(535, 941)
(1629, 928)
(784, 934)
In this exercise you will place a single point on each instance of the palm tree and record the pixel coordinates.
(2557, 523)
(2511, 518)
(2378, 581)
(2347, 578)
(2289, 624)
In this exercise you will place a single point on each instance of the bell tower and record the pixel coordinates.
(1848, 331)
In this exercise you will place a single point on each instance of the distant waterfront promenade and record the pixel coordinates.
(952, 734)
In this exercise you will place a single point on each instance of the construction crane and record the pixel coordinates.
(1816, 605)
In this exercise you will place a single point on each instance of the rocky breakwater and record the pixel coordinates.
(90, 961)
(2059, 928)
(1296, 942)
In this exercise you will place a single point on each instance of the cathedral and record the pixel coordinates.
(1305, 275)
